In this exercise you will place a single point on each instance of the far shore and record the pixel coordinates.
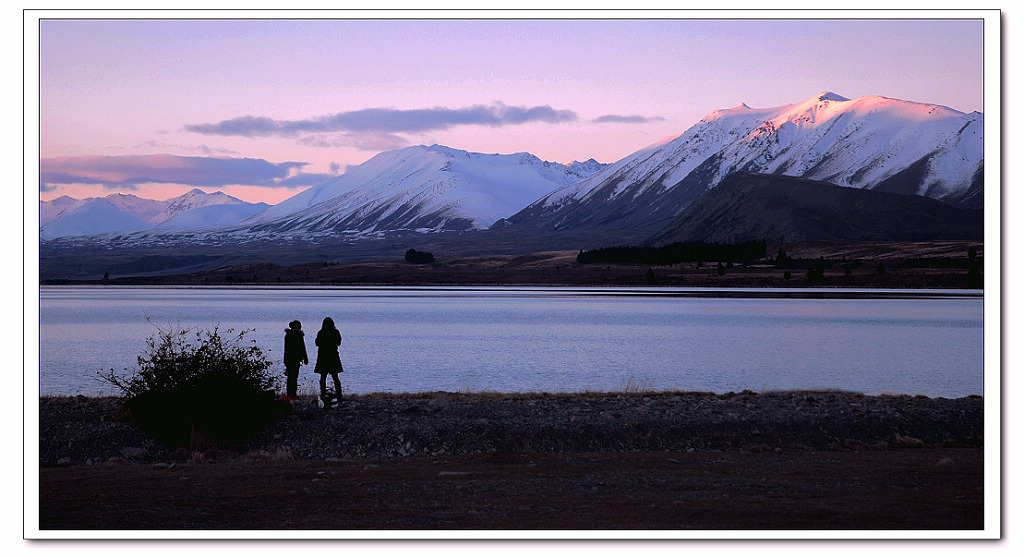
(852, 265)
(633, 389)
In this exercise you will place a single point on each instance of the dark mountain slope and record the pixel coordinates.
(747, 206)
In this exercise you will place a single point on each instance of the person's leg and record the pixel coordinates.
(323, 385)
(337, 384)
(292, 370)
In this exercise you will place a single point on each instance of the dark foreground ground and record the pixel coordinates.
(805, 490)
(676, 461)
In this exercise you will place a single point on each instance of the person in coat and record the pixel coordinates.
(294, 355)
(328, 361)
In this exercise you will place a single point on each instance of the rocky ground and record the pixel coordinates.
(532, 461)
(85, 430)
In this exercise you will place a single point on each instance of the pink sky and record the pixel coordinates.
(261, 109)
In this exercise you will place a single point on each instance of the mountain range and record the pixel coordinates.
(875, 146)
(872, 143)
(420, 188)
(126, 213)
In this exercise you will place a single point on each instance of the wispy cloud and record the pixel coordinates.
(386, 121)
(203, 149)
(632, 119)
(128, 171)
(363, 142)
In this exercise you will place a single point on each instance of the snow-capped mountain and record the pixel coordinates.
(196, 199)
(141, 208)
(92, 216)
(420, 188)
(127, 213)
(216, 215)
(64, 206)
(50, 210)
(870, 142)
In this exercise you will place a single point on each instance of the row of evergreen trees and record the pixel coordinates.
(676, 252)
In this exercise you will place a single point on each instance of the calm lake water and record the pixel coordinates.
(544, 339)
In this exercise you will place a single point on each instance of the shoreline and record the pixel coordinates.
(910, 265)
(450, 461)
(80, 429)
(692, 291)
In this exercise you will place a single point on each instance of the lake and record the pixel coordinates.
(546, 339)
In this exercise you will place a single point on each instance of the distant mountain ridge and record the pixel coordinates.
(868, 143)
(420, 188)
(875, 143)
(127, 213)
(88, 217)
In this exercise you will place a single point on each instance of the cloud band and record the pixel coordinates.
(130, 170)
(386, 121)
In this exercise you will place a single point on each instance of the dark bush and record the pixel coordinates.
(417, 257)
(209, 391)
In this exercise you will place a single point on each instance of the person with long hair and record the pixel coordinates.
(294, 356)
(328, 360)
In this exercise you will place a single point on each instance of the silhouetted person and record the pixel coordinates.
(328, 361)
(294, 355)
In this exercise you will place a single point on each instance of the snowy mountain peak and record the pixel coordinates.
(818, 107)
(439, 149)
(125, 213)
(586, 168)
(830, 96)
(422, 188)
(867, 142)
(193, 199)
(89, 217)
(196, 195)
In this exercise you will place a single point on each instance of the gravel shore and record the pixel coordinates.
(85, 430)
(592, 461)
